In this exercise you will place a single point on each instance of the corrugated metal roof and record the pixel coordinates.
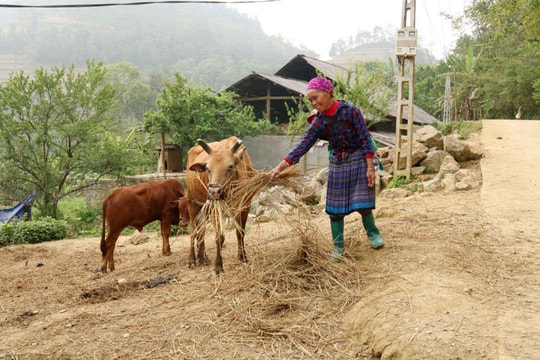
(383, 137)
(305, 68)
(256, 84)
(328, 69)
(419, 114)
(298, 86)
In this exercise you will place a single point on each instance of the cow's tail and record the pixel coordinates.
(103, 244)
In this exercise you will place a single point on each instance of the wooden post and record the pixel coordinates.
(162, 154)
(268, 102)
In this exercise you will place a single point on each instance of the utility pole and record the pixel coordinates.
(406, 41)
(447, 100)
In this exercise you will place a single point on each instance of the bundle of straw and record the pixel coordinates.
(243, 191)
(240, 196)
(214, 210)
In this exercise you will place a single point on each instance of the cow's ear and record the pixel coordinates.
(198, 167)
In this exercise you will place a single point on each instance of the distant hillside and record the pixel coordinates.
(211, 44)
(378, 44)
(381, 52)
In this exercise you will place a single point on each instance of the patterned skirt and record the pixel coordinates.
(347, 189)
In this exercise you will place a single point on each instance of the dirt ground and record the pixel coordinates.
(457, 279)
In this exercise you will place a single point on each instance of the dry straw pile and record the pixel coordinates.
(287, 302)
(288, 296)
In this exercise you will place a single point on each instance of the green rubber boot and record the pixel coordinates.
(373, 233)
(337, 236)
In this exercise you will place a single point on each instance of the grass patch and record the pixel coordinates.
(462, 127)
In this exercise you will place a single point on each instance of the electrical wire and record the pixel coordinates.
(133, 3)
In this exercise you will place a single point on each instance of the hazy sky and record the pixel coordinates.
(317, 24)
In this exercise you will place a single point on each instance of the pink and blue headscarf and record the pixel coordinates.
(320, 83)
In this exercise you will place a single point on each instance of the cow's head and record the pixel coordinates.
(180, 207)
(183, 210)
(221, 167)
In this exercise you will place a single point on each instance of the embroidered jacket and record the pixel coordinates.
(346, 132)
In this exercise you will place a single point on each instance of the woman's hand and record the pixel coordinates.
(371, 176)
(275, 172)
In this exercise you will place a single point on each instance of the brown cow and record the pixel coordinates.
(212, 168)
(139, 205)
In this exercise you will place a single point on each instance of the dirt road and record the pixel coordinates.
(458, 278)
(510, 196)
(470, 263)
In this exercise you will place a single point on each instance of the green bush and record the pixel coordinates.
(7, 232)
(82, 219)
(32, 232)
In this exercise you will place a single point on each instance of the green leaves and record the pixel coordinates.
(188, 112)
(370, 86)
(53, 132)
(493, 71)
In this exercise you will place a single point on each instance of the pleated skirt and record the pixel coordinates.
(347, 189)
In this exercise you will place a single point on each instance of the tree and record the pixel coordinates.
(429, 88)
(494, 70)
(505, 75)
(133, 96)
(467, 82)
(55, 133)
(370, 86)
(189, 112)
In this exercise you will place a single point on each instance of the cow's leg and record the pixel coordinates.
(201, 250)
(197, 241)
(191, 256)
(200, 230)
(165, 232)
(240, 233)
(107, 251)
(218, 263)
(193, 238)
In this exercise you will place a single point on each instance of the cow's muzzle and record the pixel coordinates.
(215, 192)
(183, 222)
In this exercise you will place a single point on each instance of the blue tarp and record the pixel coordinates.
(24, 207)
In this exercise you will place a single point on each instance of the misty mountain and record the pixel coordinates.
(211, 44)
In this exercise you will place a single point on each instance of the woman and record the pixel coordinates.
(351, 172)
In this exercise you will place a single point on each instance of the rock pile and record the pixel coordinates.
(436, 161)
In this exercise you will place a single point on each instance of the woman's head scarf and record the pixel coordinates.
(320, 83)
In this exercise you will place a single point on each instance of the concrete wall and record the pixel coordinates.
(267, 151)
(95, 195)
